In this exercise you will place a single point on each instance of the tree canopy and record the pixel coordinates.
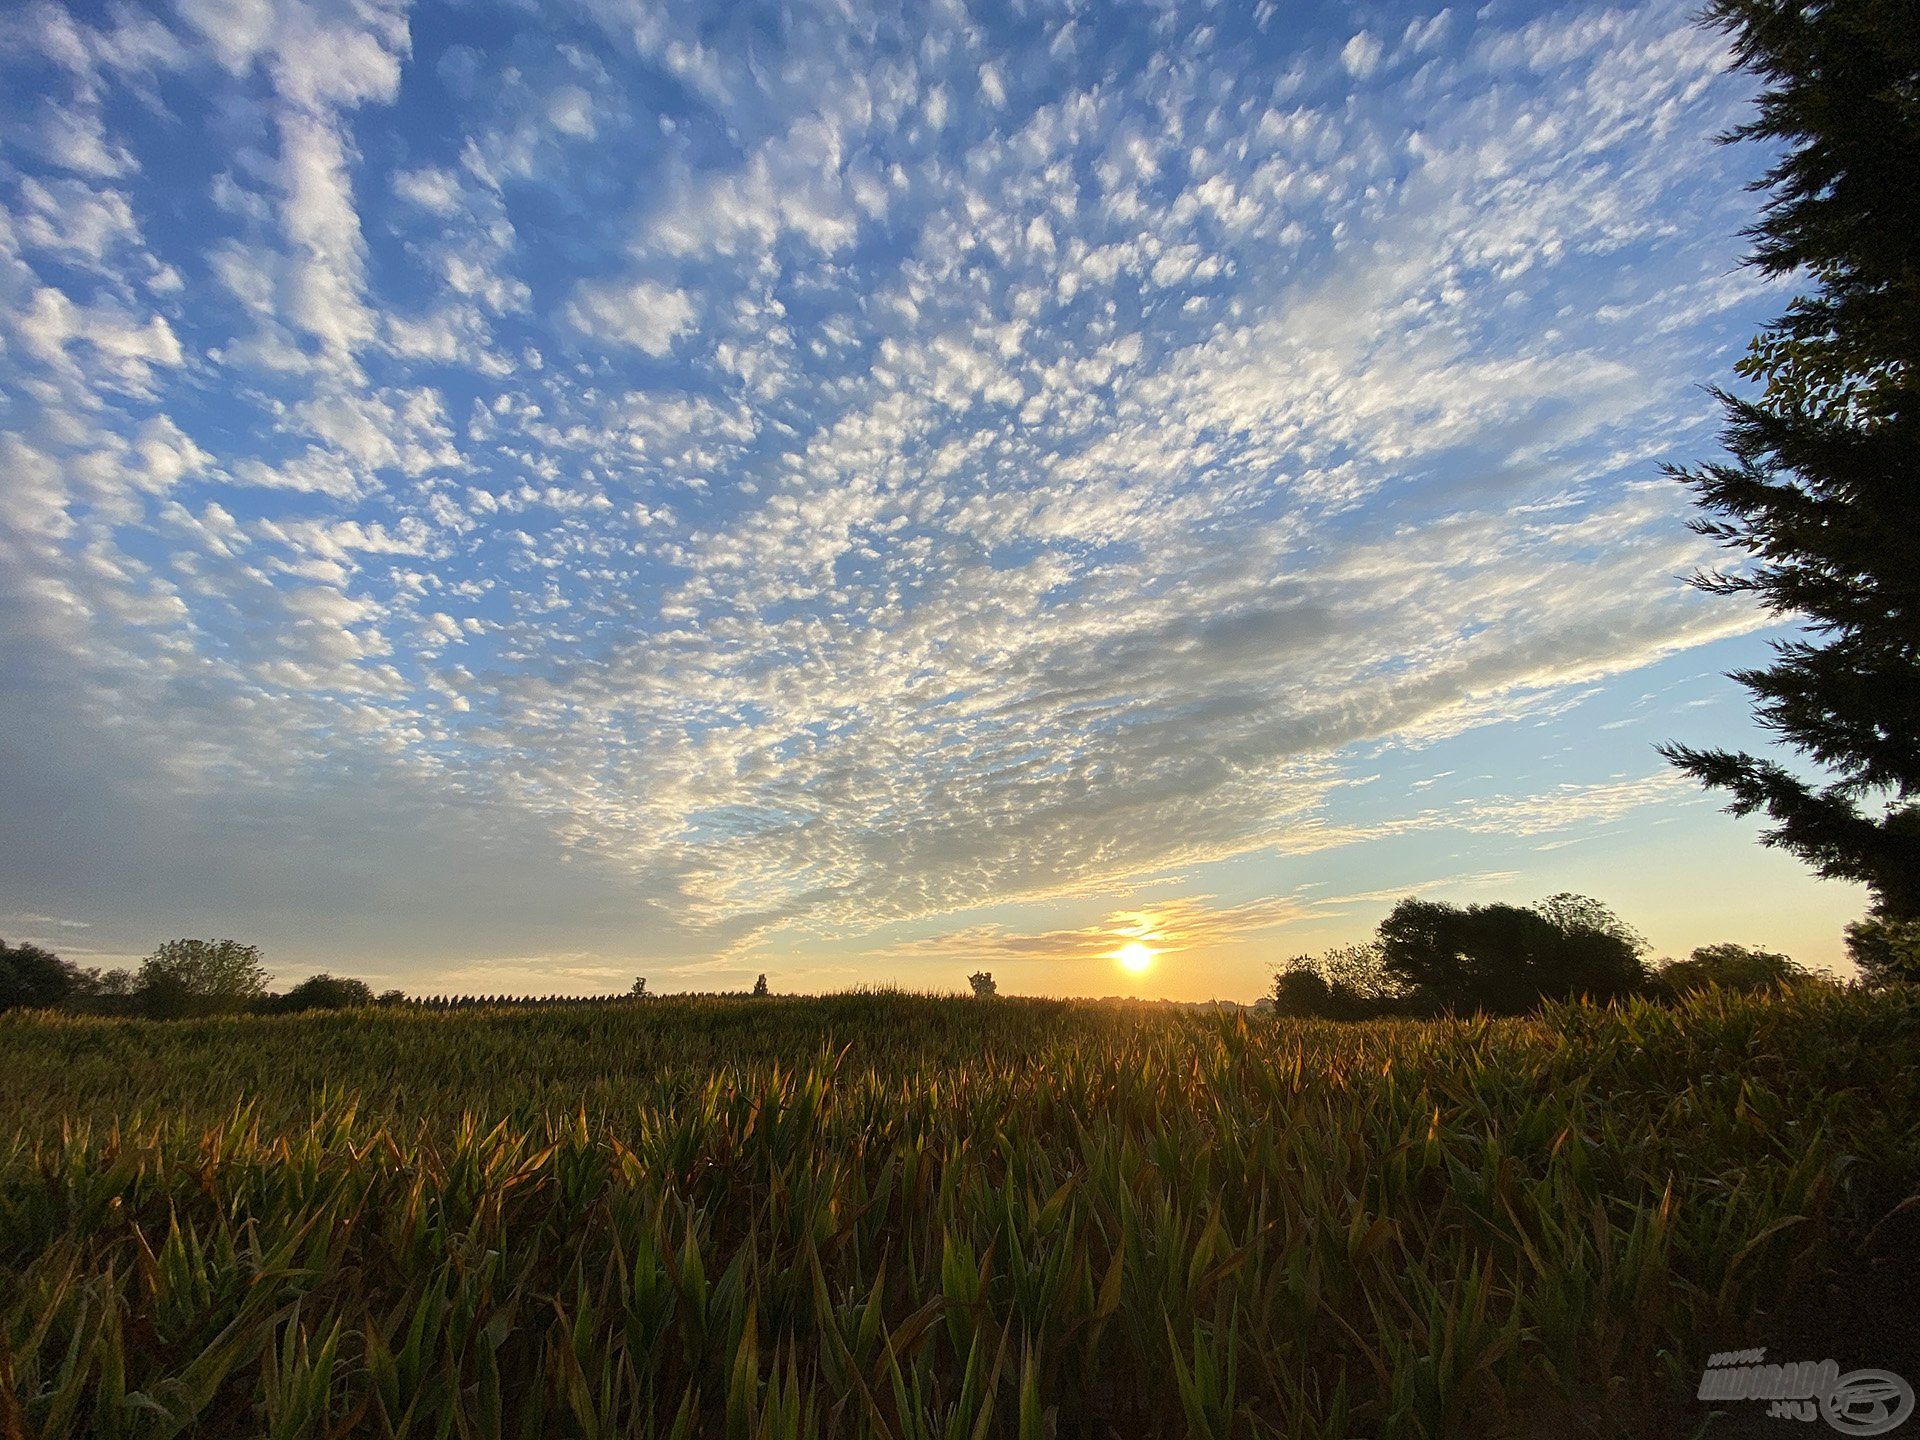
(1731, 967)
(324, 992)
(200, 977)
(1347, 982)
(33, 978)
(1429, 956)
(1506, 959)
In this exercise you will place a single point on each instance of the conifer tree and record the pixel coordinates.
(1819, 498)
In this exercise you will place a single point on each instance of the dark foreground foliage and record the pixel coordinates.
(886, 1215)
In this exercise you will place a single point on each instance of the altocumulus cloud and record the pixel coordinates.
(642, 314)
(648, 476)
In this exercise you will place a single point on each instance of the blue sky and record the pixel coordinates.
(509, 497)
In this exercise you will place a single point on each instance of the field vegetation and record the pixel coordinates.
(890, 1215)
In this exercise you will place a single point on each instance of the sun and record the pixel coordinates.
(1135, 956)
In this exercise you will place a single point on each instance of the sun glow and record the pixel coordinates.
(1135, 956)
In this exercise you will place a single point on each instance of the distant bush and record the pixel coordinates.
(320, 992)
(1731, 967)
(983, 986)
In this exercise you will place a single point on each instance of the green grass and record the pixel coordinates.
(899, 1216)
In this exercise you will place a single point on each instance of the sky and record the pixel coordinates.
(504, 498)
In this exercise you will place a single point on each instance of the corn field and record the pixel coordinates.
(902, 1216)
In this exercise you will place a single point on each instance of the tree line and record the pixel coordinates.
(1429, 957)
(180, 980)
(184, 979)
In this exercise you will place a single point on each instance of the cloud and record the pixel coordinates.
(389, 430)
(639, 313)
(320, 56)
(1572, 806)
(570, 111)
(797, 183)
(430, 188)
(325, 283)
(124, 347)
(76, 139)
(1361, 54)
(321, 61)
(72, 218)
(993, 89)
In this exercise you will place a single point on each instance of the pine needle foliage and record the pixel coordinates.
(1818, 501)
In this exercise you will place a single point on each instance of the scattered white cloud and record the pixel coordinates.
(1361, 55)
(123, 347)
(689, 481)
(430, 188)
(993, 89)
(75, 220)
(639, 313)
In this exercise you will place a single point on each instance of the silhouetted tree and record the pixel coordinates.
(322, 992)
(760, 986)
(1298, 989)
(1731, 967)
(1598, 956)
(199, 977)
(34, 978)
(1506, 959)
(1359, 984)
(983, 986)
(1348, 982)
(639, 987)
(1819, 498)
